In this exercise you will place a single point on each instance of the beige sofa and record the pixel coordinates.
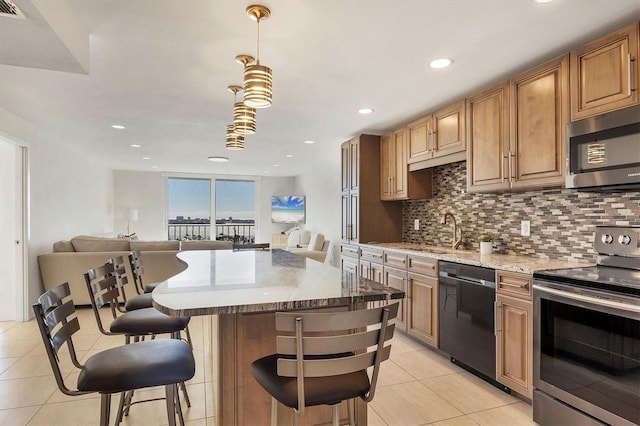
(71, 259)
(308, 244)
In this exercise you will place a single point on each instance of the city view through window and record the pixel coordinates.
(189, 210)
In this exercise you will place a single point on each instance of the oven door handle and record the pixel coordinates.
(590, 299)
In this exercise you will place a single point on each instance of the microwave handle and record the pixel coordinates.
(590, 299)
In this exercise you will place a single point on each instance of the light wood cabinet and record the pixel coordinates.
(422, 321)
(396, 183)
(397, 278)
(514, 332)
(440, 134)
(604, 74)
(393, 166)
(364, 216)
(487, 138)
(539, 115)
(516, 131)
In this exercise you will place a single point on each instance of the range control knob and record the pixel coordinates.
(607, 238)
(624, 240)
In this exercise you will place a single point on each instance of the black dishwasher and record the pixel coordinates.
(467, 332)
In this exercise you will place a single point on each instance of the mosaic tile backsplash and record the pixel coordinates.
(563, 221)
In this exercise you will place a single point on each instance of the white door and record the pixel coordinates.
(12, 244)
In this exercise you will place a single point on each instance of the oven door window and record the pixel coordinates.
(592, 355)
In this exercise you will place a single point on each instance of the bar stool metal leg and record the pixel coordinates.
(105, 405)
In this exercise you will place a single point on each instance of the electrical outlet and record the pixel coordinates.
(525, 228)
(416, 224)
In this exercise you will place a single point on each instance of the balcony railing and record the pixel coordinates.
(243, 233)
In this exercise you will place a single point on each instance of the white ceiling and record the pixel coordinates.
(161, 68)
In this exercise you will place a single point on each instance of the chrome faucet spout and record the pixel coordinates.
(455, 241)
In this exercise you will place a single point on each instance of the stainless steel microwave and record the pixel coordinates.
(603, 152)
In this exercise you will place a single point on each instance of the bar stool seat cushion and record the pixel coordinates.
(139, 365)
(147, 321)
(140, 301)
(148, 288)
(317, 390)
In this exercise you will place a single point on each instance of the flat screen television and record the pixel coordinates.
(288, 209)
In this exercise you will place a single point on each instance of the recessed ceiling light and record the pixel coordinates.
(543, 1)
(118, 126)
(135, 145)
(276, 165)
(309, 142)
(365, 111)
(440, 63)
(218, 159)
(146, 158)
(154, 167)
(289, 155)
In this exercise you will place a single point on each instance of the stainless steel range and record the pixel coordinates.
(587, 336)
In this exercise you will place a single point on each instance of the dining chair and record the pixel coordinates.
(162, 362)
(311, 369)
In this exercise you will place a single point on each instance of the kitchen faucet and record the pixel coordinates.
(455, 242)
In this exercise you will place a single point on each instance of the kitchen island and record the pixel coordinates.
(241, 291)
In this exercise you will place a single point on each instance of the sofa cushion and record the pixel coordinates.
(206, 245)
(89, 243)
(316, 241)
(62, 246)
(154, 245)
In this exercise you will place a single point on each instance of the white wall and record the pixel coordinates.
(321, 185)
(70, 192)
(9, 206)
(146, 191)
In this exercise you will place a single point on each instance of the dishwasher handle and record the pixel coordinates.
(480, 282)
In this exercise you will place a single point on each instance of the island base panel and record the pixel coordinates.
(241, 339)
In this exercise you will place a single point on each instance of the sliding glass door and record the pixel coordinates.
(190, 202)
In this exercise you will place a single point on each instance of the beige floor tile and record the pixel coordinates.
(401, 344)
(17, 416)
(13, 348)
(425, 363)
(519, 414)
(26, 392)
(459, 421)
(77, 412)
(411, 404)
(392, 374)
(211, 421)
(7, 362)
(373, 418)
(38, 365)
(468, 393)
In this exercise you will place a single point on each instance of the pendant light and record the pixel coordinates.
(257, 78)
(244, 117)
(235, 141)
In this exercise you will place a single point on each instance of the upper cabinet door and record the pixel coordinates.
(449, 130)
(418, 134)
(488, 139)
(539, 115)
(354, 164)
(345, 164)
(604, 74)
(386, 167)
(399, 176)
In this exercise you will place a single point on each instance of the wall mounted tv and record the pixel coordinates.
(288, 209)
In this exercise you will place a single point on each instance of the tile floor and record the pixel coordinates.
(416, 386)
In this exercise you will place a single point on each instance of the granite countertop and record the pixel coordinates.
(506, 262)
(227, 282)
